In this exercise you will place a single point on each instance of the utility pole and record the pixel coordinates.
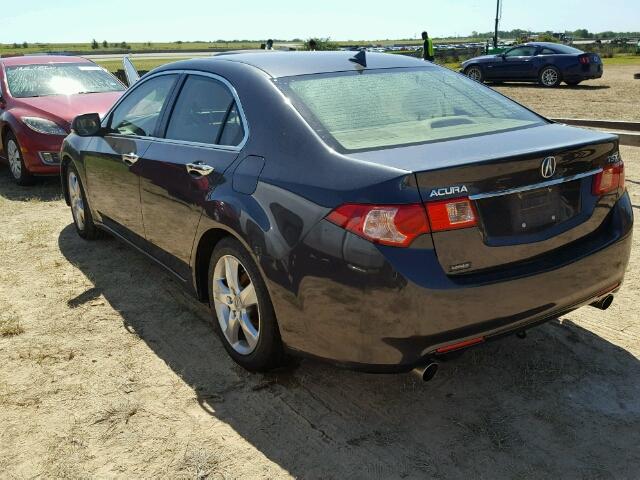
(495, 34)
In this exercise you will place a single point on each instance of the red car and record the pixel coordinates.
(39, 97)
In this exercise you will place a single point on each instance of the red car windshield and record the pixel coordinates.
(60, 79)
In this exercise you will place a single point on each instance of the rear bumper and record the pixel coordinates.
(386, 309)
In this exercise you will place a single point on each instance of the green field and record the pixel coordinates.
(141, 64)
(85, 48)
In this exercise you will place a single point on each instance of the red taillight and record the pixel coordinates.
(399, 225)
(458, 345)
(584, 60)
(451, 214)
(609, 179)
(396, 225)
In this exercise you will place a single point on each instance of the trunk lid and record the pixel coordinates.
(522, 209)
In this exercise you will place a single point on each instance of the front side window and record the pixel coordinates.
(60, 79)
(205, 112)
(521, 52)
(404, 106)
(138, 114)
(547, 51)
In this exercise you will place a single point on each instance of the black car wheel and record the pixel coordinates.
(549, 77)
(17, 167)
(241, 308)
(573, 83)
(80, 211)
(474, 72)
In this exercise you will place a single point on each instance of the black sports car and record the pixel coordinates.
(549, 64)
(376, 211)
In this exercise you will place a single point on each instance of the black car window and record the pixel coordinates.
(200, 113)
(520, 52)
(138, 113)
(547, 51)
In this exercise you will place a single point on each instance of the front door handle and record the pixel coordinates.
(129, 158)
(199, 168)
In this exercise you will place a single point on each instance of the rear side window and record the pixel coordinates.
(139, 112)
(394, 107)
(205, 112)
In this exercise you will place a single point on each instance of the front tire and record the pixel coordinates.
(82, 218)
(241, 309)
(17, 167)
(474, 72)
(549, 77)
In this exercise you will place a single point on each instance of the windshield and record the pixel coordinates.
(60, 79)
(393, 107)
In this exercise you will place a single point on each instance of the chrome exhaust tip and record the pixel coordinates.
(426, 372)
(603, 303)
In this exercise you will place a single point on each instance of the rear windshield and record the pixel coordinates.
(395, 107)
(60, 79)
(565, 49)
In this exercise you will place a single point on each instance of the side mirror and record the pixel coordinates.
(87, 125)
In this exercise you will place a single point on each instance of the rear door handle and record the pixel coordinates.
(129, 158)
(199, 168)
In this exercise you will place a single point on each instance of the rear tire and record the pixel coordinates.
(549, 77)
(241, 309)
(474, 72)
(17, 168)
(80, 211)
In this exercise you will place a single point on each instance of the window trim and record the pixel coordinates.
(173, 97)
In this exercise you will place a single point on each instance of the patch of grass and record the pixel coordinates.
(116, 415)
(622, 60)
(10, 327)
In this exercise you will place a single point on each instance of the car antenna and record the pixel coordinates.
(360, 58)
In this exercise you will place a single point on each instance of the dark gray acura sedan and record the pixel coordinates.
(376, 211)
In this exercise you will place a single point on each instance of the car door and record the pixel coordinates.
(516, 64)
(111, 164)
(203, 133)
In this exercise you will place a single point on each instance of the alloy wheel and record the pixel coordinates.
(77, 204)
(549, 77)
(236, 304)
(474, 73)
(13, 154)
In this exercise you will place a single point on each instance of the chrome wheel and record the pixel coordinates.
(236, 304)
(13, 155)
(549, 77)
(77, 204)
(474, 73)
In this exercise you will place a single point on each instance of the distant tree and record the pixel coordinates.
(148, 44)
(582, 33)
(25, 45)
(105, 44)
(15, 45)
(319, 44)
(125, 45)
(179, 42)
(94, 44)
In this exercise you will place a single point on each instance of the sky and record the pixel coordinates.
(61, 21)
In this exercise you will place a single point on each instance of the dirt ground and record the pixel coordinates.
(108, 369)
(615, 96)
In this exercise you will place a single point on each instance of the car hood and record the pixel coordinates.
(64, 108)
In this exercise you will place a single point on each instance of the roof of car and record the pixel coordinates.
(285, 64)
(41, 59)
